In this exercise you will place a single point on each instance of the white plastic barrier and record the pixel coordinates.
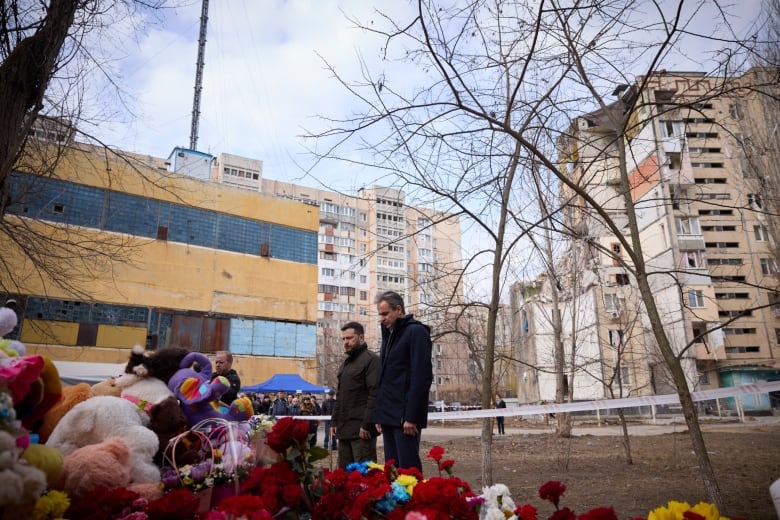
(601, 404)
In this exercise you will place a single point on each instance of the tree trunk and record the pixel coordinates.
(626, 437)
(24, 77)
(667, 352)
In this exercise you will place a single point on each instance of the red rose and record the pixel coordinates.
(280, 437)
(248, 506)
(301, 431)
(177, 503)
(286, 432)
(291, 494)
(552, 491)
(436, 453)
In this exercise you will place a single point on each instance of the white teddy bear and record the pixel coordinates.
(100, 418)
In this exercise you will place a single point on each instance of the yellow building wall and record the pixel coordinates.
(180, 276)
(83, 354)
(169, 275)
(39, 331)
(114, 173)
(120, 336)
(66, 333)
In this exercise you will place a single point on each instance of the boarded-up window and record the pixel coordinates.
(87, 336)
(200, 333)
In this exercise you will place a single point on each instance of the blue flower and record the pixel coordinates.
(385, 505)
(362, 467)
(399, 493)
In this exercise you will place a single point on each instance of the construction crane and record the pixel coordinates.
(204, 18)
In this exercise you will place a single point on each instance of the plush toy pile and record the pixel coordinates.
(81, 439)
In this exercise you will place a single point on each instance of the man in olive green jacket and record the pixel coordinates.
(351, 421)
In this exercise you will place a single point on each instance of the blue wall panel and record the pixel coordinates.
(68, 203)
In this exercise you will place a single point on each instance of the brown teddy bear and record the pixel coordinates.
(71, 396)
(167, 420)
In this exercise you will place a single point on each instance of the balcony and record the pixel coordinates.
(704, 352)
(327, 217)
(672, 144)
(691, 242)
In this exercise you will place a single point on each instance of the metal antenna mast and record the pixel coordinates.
(204, 18)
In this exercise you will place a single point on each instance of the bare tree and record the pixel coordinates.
(498, 82)
(49, 60)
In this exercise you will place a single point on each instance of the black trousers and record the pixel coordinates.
(403, 449)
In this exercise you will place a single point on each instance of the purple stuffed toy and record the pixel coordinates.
(199, 396)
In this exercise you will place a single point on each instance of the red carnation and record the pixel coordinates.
(413, 471)
(526, 512)
(599, 513)
(436, 453)
(446, 465)
(563, 514)
(552, 491)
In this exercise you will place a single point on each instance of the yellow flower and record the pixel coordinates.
(708, 511)
(51, 505)
(374, 465)
(407, 481)
(675, 511)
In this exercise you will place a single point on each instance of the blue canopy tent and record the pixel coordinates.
(288, 383)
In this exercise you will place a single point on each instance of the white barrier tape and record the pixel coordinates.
(608, 404)
(585, 406)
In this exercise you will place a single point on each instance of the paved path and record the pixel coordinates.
(436, 432)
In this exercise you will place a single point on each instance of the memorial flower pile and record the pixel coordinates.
(290, 485)
(294, 487)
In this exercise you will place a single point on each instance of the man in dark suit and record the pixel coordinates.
(405, 377)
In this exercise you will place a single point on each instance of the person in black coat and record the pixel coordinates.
(328, 405)
(500, 403)
(279, 405)
(352, 420)
(223, 366)
(405, 377)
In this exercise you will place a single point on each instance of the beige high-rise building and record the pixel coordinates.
(702, 163)
(373, 242)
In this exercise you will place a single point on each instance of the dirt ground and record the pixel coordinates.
(593, 467)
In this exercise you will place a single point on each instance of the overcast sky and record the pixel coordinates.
(263, 80)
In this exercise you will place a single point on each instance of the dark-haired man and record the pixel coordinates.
(352, 418)
(405, 378)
